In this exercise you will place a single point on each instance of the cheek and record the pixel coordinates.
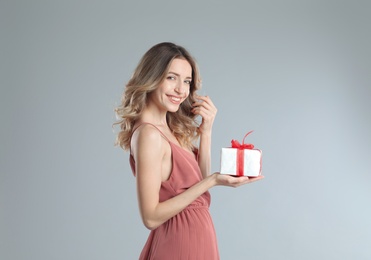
(188, 91)
(187, 98)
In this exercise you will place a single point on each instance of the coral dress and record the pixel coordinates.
(190, 234)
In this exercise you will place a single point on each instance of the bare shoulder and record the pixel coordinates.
(148, 138)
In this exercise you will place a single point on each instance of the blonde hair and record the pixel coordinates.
(149, 73)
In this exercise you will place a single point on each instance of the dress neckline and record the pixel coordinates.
(182, 149)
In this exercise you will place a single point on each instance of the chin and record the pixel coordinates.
(173, 109)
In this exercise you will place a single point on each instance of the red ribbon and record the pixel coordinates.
(240, 153)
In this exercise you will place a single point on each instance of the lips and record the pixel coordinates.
(175, 99)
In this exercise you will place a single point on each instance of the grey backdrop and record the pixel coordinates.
(296, 72)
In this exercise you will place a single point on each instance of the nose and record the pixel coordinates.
(180, 88)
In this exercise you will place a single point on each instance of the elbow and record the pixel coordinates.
(150, 224)
(151, 219)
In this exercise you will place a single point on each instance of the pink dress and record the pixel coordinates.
(190, 234)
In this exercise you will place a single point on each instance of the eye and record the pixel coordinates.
(188, 82)
(171, 77)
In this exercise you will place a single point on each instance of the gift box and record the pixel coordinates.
(241, 159)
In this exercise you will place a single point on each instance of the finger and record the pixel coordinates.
(246, 180)
(206, 107)
(200, 109)
(242, 181)
(239, 179)
(253, 179)
(199, 102)
(204, 113)
(205, 99)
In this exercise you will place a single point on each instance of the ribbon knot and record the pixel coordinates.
(236, 144)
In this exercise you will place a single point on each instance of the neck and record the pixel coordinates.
(153, 116)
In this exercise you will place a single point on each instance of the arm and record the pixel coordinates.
(206, 109)
(150, 152)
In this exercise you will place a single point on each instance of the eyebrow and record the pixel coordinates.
(176, 74)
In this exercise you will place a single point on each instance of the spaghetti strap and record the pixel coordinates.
(145, 123)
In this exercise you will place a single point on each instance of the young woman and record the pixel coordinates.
(158, 112)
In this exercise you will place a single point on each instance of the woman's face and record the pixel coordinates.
(174, 89)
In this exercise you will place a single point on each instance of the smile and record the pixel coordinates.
(174, 99)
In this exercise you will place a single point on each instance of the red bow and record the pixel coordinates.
(236, 144)
(240, 154)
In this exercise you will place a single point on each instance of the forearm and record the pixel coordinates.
(165, 210)
(204, 154)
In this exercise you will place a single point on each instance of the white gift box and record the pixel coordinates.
(241, 162)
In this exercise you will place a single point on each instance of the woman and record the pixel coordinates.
(158, 112)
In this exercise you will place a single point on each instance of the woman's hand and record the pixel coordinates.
(207, 110)
(234, 181)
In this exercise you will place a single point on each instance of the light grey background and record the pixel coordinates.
(296, 72)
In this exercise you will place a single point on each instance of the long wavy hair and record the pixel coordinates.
(149, 73)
